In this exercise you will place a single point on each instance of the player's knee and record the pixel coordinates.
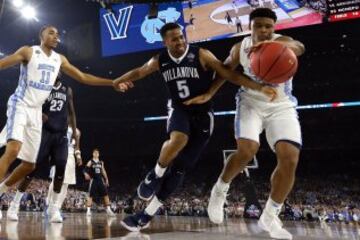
(28, 167)
(246, 153)
(246, 149)
(288, 163)
(179, 140)
(12, 151)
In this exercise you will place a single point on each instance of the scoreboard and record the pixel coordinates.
(343, 9)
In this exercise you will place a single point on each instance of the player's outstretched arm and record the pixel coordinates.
(297, 46)
(87, 170)
(82, 77)
(23, 54)
(72, 117)
(138, 73)
(230, 63)
(77, 152)
(103, 172)
(210, 61)
(236, 78)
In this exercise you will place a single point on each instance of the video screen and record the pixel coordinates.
(131, 28)
(128, 28)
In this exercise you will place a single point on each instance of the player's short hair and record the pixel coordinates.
(168, 27)
(96, 149)
(263, 12)
(43, 28)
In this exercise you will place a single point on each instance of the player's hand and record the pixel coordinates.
(75, 136)
(78, 160)
(87, 177)
(270, 92)
(107, 183)
(122, 87)
(203, 98)
(44, 118)
(256, 47)
(78, 157)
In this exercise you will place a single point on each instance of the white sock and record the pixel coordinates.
(153, 206)
(18, 197)
(55, 199)
(50, 193)
(3, 188)
(273, 207)
(62, 195)
(108, 208)
(222, 186)
(159, 171)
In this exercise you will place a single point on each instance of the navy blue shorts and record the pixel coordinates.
(193, 124)
(198, 126)
(97, 188)
(53, 148)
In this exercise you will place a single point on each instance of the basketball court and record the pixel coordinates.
(210, 20)
(78, 226)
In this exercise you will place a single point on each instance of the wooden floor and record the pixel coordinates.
(78, 226)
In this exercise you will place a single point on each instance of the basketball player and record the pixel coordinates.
(70, 169)
(188, 73)
(96, 173)
(54, 144)
(191, 21)
(73, 159)
(228, 19)
(40, 66)
(254, 114)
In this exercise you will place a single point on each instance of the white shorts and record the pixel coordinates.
(70, 170)
(279, 120)
(23, 124)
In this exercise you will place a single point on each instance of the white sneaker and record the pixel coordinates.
(273, 226)
(110, 213)
(88, 213)
(12, 212)
(216, 205)
(56, 217)
(54, 214)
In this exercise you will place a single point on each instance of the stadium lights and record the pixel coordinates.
(29, 12)
(303, 107)
(18, 3)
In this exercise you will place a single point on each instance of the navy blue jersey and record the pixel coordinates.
(185, 79)
(56, 108)
(95, 169)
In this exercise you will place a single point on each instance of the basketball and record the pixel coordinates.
(273, 62)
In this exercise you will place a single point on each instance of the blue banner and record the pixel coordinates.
(128, 28)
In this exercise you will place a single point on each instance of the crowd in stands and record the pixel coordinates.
(330, 199)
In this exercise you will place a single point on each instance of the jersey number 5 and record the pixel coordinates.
(183, 88)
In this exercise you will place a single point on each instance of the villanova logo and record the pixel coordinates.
(150, 27)
(118, 27)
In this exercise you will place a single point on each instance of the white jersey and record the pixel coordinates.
(37, 78)
(284, 89)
